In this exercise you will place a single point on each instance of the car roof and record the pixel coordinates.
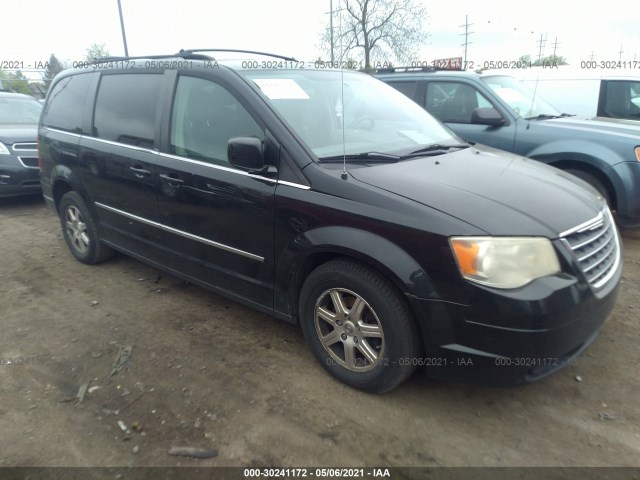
(569, 72)
(410, 72)
(5, 93)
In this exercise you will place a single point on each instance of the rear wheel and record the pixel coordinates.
(80, 231)
(357, 326)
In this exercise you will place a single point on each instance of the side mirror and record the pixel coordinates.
(245, 153)
(487, 116)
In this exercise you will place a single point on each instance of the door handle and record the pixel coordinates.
(140, 172)
(171, 180)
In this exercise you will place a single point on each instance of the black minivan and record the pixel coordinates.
(329, 199)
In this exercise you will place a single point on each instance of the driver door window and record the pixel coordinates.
(205, 116)
(453, 101)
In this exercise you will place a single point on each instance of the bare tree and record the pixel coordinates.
(382, 30)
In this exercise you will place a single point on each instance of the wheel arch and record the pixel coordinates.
(328, 243)
(572, 164)
(65, 180)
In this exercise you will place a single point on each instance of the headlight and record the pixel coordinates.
(4, 150)
(504, 262)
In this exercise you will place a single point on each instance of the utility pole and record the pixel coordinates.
(124, 36)
(592, 56)
(466, 38)
(620, 53)
(555, 47)
(331, 12)
(331, 28)
(541, 47)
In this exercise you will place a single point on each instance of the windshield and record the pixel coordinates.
(19, 110)
(520, 98)
(376, 117)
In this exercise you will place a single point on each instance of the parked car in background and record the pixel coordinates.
(602, 94)
(499, 111)
(328, 199)
(19, 172)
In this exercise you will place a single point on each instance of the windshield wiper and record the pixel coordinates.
(546, 116)
(435, 149)
(365, 157)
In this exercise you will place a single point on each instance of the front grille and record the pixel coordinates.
(596, 248)
(19, 147)
(29, 162)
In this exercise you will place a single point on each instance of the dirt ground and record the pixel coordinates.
(206, 372)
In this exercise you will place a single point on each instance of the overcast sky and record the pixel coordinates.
(503, 30)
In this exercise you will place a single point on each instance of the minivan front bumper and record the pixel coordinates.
(507, 338)
(15, 179)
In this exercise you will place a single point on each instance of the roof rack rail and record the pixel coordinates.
(141, 57)
(407, 69)
(254, 52)
(190, 54)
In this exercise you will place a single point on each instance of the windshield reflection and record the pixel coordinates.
(375, 116)
(519, 97)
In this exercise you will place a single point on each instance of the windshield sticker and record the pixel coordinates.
(281, 89)
(417, 136)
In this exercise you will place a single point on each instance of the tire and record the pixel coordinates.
(594, 182)
(80, 231)
(372, 349)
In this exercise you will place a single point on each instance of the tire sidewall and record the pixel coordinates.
(74, 199)
(382, 377)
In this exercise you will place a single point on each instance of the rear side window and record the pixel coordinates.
(408, 88)
(620, 99)
(126, 108)
(65, 103)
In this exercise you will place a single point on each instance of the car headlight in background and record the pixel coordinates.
(504, 262)
(4, 150)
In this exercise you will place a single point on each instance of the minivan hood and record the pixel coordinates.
(10, 134)
(498, 192)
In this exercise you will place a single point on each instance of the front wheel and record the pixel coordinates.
(80, 230)
(594, 182)
(357, 326)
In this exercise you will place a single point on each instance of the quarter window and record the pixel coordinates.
(126, 108)
(204, 117)
(65, 103)
(621, 99)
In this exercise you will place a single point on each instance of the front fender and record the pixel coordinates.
(309, 248)
(587, 152)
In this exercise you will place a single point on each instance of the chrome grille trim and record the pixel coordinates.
(596, 248)
(28, 146)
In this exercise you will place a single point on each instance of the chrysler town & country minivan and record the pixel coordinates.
(330, 200)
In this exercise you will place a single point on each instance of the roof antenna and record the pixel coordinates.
(533, 99)
(344, 175)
